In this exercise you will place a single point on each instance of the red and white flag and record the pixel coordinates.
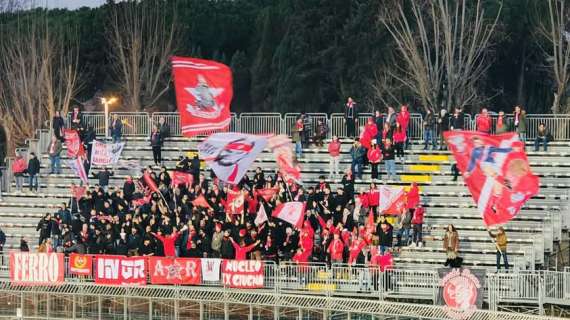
(267, 193)
(291, 212)
(73, 143)
(392, 200)
(261, 215)
(179, 177)
(282, 149)
(231, 154)
(203, 95)
(235, 202)
(201, 201)
(77, 166)
(496, 171)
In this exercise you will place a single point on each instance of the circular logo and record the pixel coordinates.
(460, 291)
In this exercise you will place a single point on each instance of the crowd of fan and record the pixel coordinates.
(339, 225)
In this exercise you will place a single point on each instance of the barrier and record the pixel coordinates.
(140, 123)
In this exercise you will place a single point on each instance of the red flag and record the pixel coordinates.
(235, 202)
(203, 94)
(496, 171)
(179, 177)
(80, 264)
(150, 182)
(281, 147)
(73, 143)
(291, 212)
(200, 201)
(392, 200)
(78, 191)
(267, 193)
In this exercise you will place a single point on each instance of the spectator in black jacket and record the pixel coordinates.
(44, 227)
(458, 120)
(58, 124)
(33, 171)
(2, 241)
(384, 231)
(156, 144)
(443, 122)
(195, 168)
(24, 245)
(163, 127)
(103, 177)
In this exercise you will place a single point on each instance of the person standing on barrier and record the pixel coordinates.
(501, 246)
(351, 118)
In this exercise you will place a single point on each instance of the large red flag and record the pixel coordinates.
(203, 95)
(73, 143)
(150, 182)
(179, 177)
(235, 202)
(496, 171)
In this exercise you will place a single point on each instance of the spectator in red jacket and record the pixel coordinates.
(484, 121)
(413, 196)
(370, 132)
(373, 197)
(403, 119)
(18, 169)
(169, 241)
(242, 250)
(374, 155)
(334, 152)
(399, 140)
(336, 248)
(417, 225)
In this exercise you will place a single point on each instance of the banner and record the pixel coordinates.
(231, 154)
(461, 291)
(80, 264)
(203, 94)
(211, 269)
(261, 215)
(79, 169)
(288, 166)
(119, 270)
(496, 171)
(104, 154)
(291, 212)
(73, 143)
(243, 274)
(392, 200)
(36, 269)
(174, 270)
(179, 177)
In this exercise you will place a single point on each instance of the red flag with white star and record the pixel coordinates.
(203, 95)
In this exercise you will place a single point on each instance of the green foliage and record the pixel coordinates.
(309, 55)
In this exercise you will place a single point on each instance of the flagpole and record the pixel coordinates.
(286, 186)
(494, 241)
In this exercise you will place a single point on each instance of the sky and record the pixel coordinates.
(70, 4)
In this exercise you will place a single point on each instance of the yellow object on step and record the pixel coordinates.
(415, 178)
(425, 167)
(407, 188)
(434, 157)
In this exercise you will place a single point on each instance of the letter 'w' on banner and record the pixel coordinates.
(203, 94)
(231, 154)
(291, 212)
(496, 171)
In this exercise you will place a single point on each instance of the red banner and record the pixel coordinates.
(118, 270)
(174, 270)
(203, 94)
(80, 264)
(73, 143)
(496, 171)
(179, 177)
(235, 202)
(243, 274)
(36, 269)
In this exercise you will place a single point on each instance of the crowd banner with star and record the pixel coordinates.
(164, 270)
(203, 95)
(496, 171)
(231, 154)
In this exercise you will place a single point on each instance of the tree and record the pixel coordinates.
(38, 74)
(556, 30)
(142, 37)
(443, 48)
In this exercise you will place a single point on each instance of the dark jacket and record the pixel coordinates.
(103, 177)
(116, 128)
(458, 123)
(33, 166)
(155, 139)
(164, 130)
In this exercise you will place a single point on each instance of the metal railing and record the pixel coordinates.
(140, 123)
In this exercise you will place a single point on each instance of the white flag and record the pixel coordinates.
(261, 215)
(103, 154)
(210, 269)
(291, 212)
